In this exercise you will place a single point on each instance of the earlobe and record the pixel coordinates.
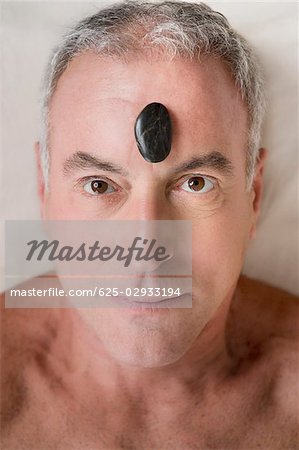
(258, 181)
(257, 189)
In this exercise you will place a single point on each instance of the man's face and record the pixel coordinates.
(93, 111)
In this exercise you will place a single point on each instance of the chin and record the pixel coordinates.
(149, 348)
(146, 358)
(145, 340)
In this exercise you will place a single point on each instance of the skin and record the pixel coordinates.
(220, 375)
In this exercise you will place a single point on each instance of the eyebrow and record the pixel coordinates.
(82, 161)
(214, 160)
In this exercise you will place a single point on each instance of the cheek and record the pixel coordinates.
(59, 202)
(220, 241)
(59, 207)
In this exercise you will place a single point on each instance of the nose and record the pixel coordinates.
(147, 207)
(148, 202)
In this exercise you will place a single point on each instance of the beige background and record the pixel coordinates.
(30, 29)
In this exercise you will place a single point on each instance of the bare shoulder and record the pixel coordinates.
(21, 328)
(275, 311)
(26, 335)
(13, 387)
(274, 329)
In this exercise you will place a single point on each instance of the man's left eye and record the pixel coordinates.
(199, 184)
(98, 187)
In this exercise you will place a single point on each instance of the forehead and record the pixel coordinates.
(98, 99)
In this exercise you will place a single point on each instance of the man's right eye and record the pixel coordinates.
(97, 187)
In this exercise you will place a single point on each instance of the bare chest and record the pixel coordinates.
(229, 419)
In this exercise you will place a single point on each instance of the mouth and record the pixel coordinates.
(160, 303)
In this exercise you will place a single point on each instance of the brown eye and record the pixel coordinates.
(198, 184)
(97, 187)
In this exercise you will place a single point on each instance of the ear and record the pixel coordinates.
(40, 177)
(257, 189)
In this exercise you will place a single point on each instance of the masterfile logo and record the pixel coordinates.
(145, 251)
(106, 261)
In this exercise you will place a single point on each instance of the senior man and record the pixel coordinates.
(220, 375)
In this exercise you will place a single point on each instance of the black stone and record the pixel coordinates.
(153, 132)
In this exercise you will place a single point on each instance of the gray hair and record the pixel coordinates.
(175, 28)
